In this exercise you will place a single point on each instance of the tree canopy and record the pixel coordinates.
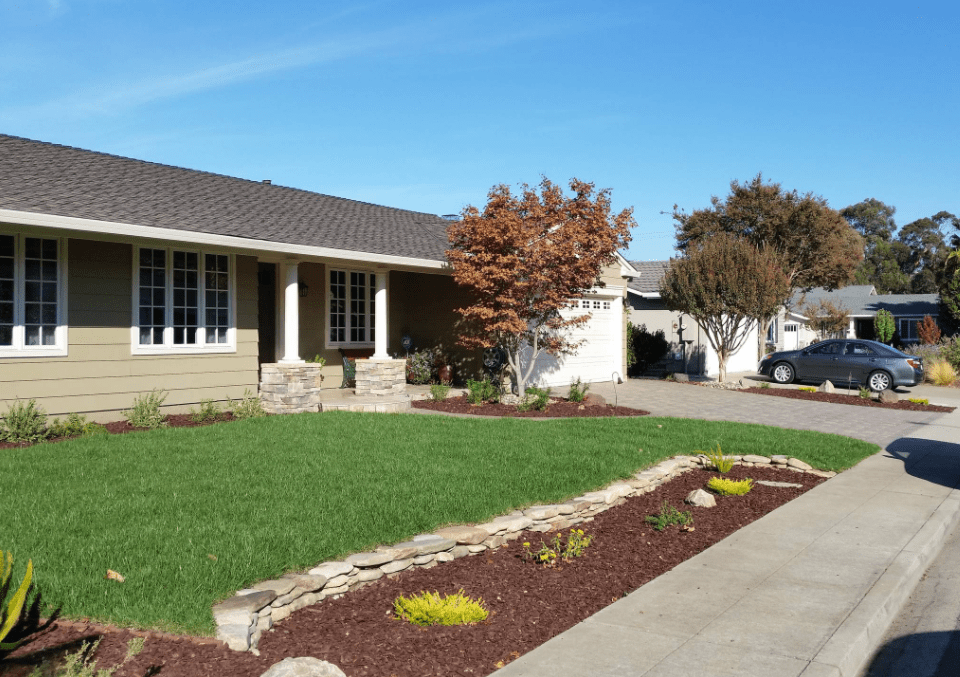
(524, 257)
(725, 282)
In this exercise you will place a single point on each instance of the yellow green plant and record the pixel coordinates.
(941, 373)
(19, 618)
(555, 549)
(429, 608)
(718, 460)
(807, 389)
(919, 400)
(726, 487)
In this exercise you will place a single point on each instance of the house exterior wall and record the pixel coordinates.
(99, 377)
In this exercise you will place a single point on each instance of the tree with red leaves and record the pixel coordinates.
(523, 258)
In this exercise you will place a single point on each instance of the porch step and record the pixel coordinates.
(380, 405)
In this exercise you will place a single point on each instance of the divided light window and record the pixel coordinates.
(30, 293)
(351, 310)
(184, 299)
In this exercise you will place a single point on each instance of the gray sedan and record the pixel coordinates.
(845, 361)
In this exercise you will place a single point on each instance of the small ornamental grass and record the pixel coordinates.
(718, 460)
(726, 487)
(145, 412)
(919, 400)
(865, 393)
(941, 373)
(669, 515)
(75, 425)
(479, 392)
(81, 663)
(429, 608)
(764, 385)
(807, 389)
(555, 549)
(209, 411)
(536, 399)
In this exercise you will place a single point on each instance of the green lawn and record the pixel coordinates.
(189, 516)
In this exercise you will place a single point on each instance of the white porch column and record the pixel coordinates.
(380, 333)
(291, 316)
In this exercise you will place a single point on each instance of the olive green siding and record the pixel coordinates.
(99, 376)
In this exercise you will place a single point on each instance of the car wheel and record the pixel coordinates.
(782, 373)
(879, 381)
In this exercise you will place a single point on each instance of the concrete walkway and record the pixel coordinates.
(807, 590)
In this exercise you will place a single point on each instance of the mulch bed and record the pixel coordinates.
(556, 409)
(837, 398)
(528, 604)
(123, 427)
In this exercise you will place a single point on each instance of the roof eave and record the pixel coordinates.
(96, 227)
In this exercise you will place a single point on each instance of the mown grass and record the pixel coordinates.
(189, 516)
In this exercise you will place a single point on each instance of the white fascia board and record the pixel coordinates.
(626, 270)
(173, 235)
(644, 294)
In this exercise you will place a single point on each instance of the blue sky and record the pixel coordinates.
(426, 105)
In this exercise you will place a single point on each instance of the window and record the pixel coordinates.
(908, 329)
(772, 331)
(32, 299)
(184, 301)
(861, 349)
(831, 348)
(351, 310)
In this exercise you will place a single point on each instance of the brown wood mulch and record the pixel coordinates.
(528, 604)
(556, 409)
(837, 398)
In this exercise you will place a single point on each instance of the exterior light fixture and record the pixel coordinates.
(303, 288)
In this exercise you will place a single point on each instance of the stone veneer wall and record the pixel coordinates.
(381, 377)
(242, 619)
(290, 388)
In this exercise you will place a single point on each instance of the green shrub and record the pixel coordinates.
(726, 487)
(439, 392)
(669, 515)
(919, 400)
(720, 462)
(431, 609)
(535, 399)
(647, 348)
(555, 549)
(316, 359)
(950, 351)
(145, 412)
(420, 367)
(578, 391)
(75, 425)
(763, 385)
(19, 617)
(884, 326)
(209, 411)
(248, 407)
(479, 392)
(24, 423)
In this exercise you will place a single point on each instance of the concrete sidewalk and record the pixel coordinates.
(807, 590)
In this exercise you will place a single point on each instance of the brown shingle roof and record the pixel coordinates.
(47, 178)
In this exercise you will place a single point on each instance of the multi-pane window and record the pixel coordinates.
(908, 329)
(352, 308)
(184, 299)
(30, 303)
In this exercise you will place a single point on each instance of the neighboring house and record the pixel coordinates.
(118, 276)
(789, 330)
(646, 308)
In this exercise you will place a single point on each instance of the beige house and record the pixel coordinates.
(119, 276)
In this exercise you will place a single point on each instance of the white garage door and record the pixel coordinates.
(601, 352)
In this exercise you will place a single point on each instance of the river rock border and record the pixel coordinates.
(242, 619)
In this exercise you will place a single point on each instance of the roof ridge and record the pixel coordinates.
(208, 173)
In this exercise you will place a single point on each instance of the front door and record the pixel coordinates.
(267, 312)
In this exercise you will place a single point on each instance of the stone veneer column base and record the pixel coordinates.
(383, 378)
(290, 388)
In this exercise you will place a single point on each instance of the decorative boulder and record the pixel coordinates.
(827, 387)
(680, 377)
(889, 397)
(303, 667)
(701, 499)
(594, 400)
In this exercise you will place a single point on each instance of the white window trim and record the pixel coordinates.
(168, 348)
(900, 323)
(61, 333)
(328, 298)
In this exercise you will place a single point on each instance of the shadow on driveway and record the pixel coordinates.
(933, 461)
